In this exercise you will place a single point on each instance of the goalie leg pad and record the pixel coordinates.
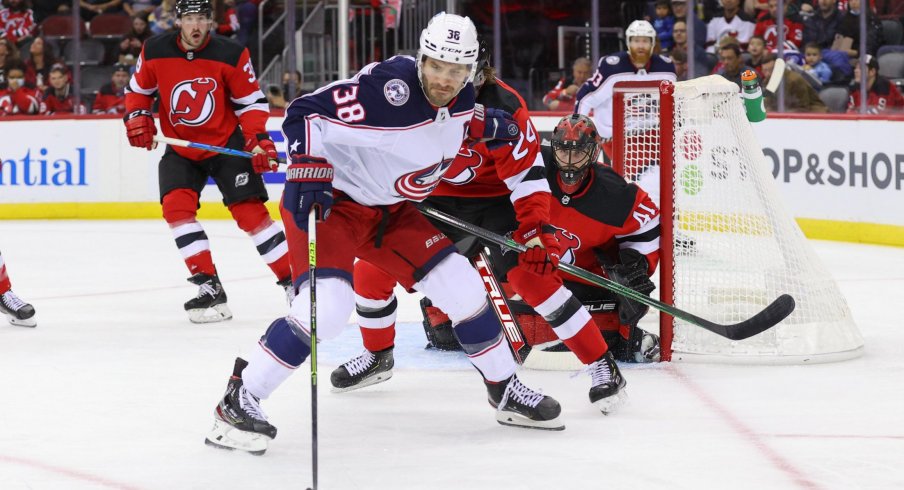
(438, 328)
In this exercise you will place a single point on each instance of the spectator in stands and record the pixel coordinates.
(755, 8)
(814, 65)
(732, 64)
(228, 23)
(17, 98)
(756, 48)
(882, 95)
(663, 23)
(58, 98)
(679, 57)
(275, 97)
(561, 97)
(296, 80)
(111, 98)
(130, 46)
(679, 9)
(91, 8)
(38, 63)
(794, 29)
(679, 34)
(246, 10)
(800, 96)
(163, 18)
(732, 23)
(46, 8)
(9, 56)
(820, 28)
(139, 7)
(847, 37)
(17, 22)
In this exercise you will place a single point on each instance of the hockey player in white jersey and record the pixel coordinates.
(361, 150)
(638, 63)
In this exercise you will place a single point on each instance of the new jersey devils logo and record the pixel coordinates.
(569, 242)
(192, 102)
(419, 184)
(464, 168)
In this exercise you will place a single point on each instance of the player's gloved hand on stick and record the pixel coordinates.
(309, 183)
(543, 250)
(631, 272)
(265, 157)
(494, 126)
(140, 129)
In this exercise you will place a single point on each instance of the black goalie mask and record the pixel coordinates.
(576, 146)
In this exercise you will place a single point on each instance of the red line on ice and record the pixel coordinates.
(74, 474)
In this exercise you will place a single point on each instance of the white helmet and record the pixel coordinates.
(451, 38)
(640, 28)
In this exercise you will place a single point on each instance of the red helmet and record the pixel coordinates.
(575, 146)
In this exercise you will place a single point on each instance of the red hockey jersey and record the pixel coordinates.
(109, 100)
(204, 93)
(606, 215)
(17, 25)
(514, 169)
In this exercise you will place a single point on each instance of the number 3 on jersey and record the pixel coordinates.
(348, 108)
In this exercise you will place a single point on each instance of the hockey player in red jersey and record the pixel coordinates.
(361, 151)
(501, 188)
(208, 94)
(17, 311)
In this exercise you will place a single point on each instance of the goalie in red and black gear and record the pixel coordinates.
(502, 188)
(607, 226)
(208, 93)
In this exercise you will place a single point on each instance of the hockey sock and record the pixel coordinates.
(281, 350)
(481, 338)
(268, 236)
(179, 210)
(4, 277)
(573, 324)
(376, 305)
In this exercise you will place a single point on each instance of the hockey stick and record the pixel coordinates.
(778, 74)
(202, 146)
(777, 311)
(312, 273)
(498, 301)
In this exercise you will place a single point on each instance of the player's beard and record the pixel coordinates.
(437, 97)
(640, 57)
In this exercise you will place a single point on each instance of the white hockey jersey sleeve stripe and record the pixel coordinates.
(134, 87)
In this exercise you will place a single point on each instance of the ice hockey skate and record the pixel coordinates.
(608, 390)
(367, 369)
(239, 421)
(19, 312)
(210, 304)
(519, 406)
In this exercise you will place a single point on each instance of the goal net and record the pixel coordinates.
(729, 246)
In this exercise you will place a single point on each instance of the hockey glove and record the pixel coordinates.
(494, 126)
(265, 156)
(309, 183)
(631, 272)
(543, 249)
(140, 129)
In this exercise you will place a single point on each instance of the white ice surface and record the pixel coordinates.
(115, 389)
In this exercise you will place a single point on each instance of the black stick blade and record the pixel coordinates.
(777, 311)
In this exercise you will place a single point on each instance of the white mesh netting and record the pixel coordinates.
(736, 247)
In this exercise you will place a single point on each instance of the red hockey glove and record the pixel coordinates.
(543, 253)
(265, 156)
(140, 129)
(309, 183)
(494, 126)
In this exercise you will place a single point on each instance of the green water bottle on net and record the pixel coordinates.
(753, 96)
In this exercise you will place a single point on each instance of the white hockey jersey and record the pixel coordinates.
(386, 142)
(596, 93)
(739, 28)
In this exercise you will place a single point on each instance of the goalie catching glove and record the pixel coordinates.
(632, 273)
(265, 158)
(543, 249)
(493, 126)
(309, 183)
